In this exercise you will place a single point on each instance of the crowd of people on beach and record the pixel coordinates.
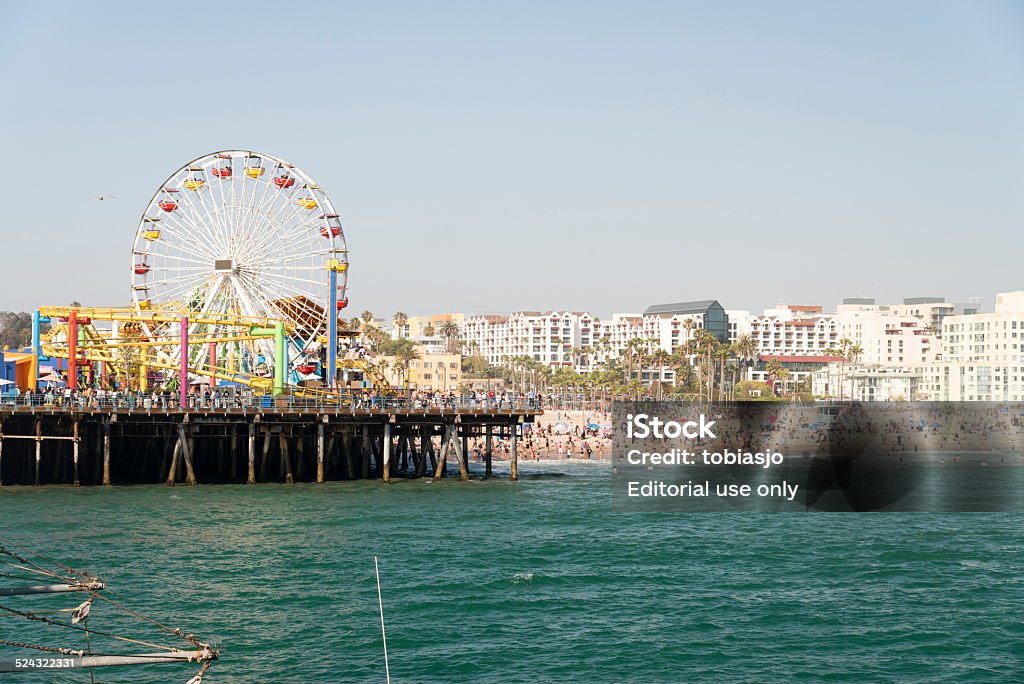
(892, 427)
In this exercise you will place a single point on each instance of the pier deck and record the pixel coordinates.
(293, 441)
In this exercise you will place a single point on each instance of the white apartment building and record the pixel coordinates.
(613, 334)
(549, 336)
(886, 338)
(866, 383)
(793, 330)
(739, 323)
(928, 310)
(982, 355)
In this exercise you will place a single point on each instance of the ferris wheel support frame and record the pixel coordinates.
(332, 328)
(278, 333)
(183, 382)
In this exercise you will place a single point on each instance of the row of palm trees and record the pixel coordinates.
(700, 364)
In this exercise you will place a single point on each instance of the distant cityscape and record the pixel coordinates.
(923, 349)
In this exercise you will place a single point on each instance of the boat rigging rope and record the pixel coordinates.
(51, 649)
(32, 616)
(36, 553)
(86, 582)
(37, 568)
(13, 575)
(176, 631)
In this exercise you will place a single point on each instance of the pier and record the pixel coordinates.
(288, 441)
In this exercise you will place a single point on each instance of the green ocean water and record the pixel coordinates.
(535, 581)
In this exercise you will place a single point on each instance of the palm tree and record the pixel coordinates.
(580, 356)
(707, 344)
(384, 366)
(855, 351)
(375, 336)
(405, 356)
(450, 331)
(428, 330)
(399, 319)
(722, 354)
(367, 316)
(745, 351)
(679, 362)
(774, 371)
(630, 354)
(659, 359)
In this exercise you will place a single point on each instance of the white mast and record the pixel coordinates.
(380, 602)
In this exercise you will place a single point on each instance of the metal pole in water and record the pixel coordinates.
(384, 635)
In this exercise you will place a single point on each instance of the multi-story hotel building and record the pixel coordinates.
(982, 355)
(549, 336)
(886, 337)
(578, 339)
(793, 330)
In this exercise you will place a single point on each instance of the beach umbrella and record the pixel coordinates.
(51, 376)
(560, 428)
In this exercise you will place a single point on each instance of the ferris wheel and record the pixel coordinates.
(240, 233)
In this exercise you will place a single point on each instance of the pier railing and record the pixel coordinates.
(53, 402)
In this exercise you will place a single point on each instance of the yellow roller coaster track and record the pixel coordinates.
(94, 346)
(162, 316)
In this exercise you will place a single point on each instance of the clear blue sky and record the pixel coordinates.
(585, 155)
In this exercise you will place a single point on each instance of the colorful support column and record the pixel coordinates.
(183, 390)
(37, 347)
(332, 327)
(143, 370)
(73, 350)
(36, 337)
(281, 362)
(213, 363)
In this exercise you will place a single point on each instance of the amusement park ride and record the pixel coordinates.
(239, 272)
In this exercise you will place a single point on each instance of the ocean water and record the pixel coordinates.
(535, 581)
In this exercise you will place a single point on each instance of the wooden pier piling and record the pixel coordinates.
(286, 460)
(488, 454)
(106, 452)
(461, 454)
(320, 452)
(251, 477)
(386, 449)
(39, 446)
(185, 438)
(146, 445)
(172, 470)
(77, 440)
